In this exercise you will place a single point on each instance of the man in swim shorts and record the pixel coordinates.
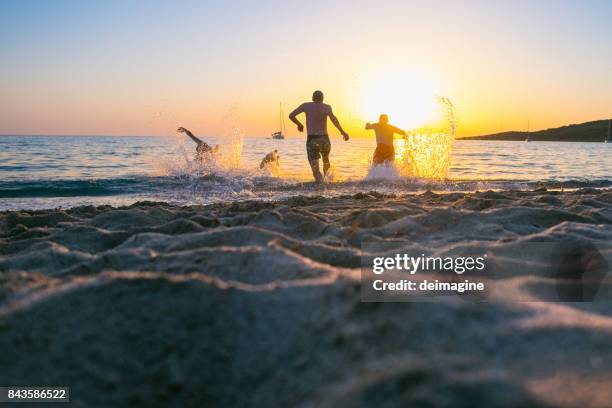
(317, 141)
(203, 149)
(385, 152)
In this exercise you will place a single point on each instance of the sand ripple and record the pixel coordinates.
(258, 304)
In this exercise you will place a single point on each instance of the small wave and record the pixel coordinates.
(70, 188)
(232, 185)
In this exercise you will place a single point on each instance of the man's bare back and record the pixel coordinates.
(317, 142)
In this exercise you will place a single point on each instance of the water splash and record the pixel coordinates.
(426, 152)
(271, 169)
(224, 162)
(383, 172)
(231, 149)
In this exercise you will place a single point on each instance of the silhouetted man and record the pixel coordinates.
(271, 158)
(203, 149)
(385, 152)
(317, 142)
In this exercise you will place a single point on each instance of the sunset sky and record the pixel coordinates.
(146, 67)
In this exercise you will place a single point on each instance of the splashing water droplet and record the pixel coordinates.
(233, 141)
(426, 152)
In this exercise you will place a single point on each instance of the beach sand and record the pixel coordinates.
(258, 304)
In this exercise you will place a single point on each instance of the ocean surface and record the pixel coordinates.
(64, 171)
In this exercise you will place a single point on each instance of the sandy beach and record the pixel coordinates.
(306, 204)
(258, 304)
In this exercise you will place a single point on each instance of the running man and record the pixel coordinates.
(385, 152)
(203, 149)
(317, 141)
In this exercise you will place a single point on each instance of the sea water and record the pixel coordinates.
(64, 171)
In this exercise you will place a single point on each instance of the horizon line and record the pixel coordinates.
(266, 136)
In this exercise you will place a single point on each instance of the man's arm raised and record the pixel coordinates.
(293, 118)
(188, 133)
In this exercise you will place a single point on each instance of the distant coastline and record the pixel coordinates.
(595, 131)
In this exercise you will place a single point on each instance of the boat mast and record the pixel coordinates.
(608, 138)
(281, 119)
(528, 129)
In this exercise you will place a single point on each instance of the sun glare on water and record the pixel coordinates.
(409, 99)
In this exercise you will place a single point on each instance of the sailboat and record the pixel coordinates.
(528, 129)
(281, 133)
(608, 138)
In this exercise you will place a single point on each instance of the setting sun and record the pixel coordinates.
(321, 203)
(408, 98)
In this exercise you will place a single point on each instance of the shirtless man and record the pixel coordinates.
(385, 152)
(203, 149)
(317, 142)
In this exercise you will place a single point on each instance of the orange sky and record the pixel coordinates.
(146, 68)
